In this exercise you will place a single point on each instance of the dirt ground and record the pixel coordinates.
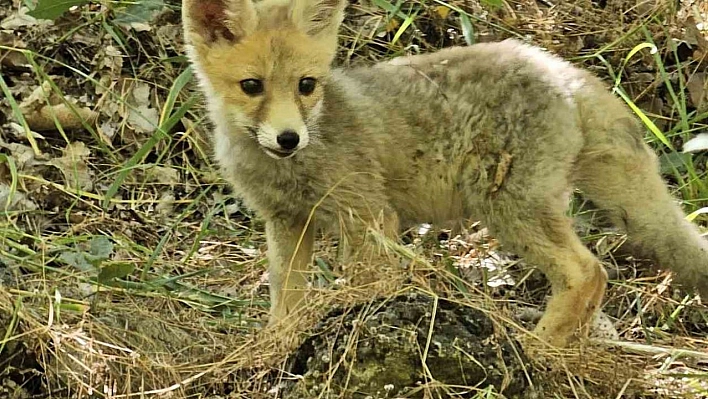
(127, 270)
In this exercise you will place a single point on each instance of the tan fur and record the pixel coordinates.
(499, 132)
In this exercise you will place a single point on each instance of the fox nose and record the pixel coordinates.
(288, 139)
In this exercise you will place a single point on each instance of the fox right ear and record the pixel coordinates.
(209, 21)
(319, 17)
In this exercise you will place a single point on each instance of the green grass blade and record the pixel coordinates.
(160, 134)
(18, 115)
(647, 122)
(406, 23)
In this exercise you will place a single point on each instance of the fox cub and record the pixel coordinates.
(497, 132)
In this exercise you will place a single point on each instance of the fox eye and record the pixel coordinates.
(252, 87)
(307, 86)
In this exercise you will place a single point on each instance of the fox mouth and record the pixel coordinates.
(281, 154)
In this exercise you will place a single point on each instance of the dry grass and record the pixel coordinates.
(127, 271)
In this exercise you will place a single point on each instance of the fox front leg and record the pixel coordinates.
(289, 254)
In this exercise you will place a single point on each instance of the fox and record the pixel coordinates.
(501, 133)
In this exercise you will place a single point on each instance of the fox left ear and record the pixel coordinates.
(318, 17)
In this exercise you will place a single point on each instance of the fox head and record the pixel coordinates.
(264, 64)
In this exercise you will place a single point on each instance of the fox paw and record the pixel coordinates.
(600, 326)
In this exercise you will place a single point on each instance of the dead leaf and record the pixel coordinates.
(14, 59)
(14, 201)
(21, 20)
(164, 175)
(72, 165)
(142, 117)
(697, 86)
(502, 169)
(696, 32)
(112, 59)
(166, 205)
(107, 130)
(141, 94)
(23, 155)
(19, 132)
(11, 58)
(38, 97)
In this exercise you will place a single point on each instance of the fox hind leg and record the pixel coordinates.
(625, 182)
(543, 235)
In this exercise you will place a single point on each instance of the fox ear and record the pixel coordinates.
(211, 20)
(318, 17)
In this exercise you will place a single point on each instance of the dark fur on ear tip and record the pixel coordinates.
(318, 16)
(211, 14)
(219, 19)
(214, 13)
